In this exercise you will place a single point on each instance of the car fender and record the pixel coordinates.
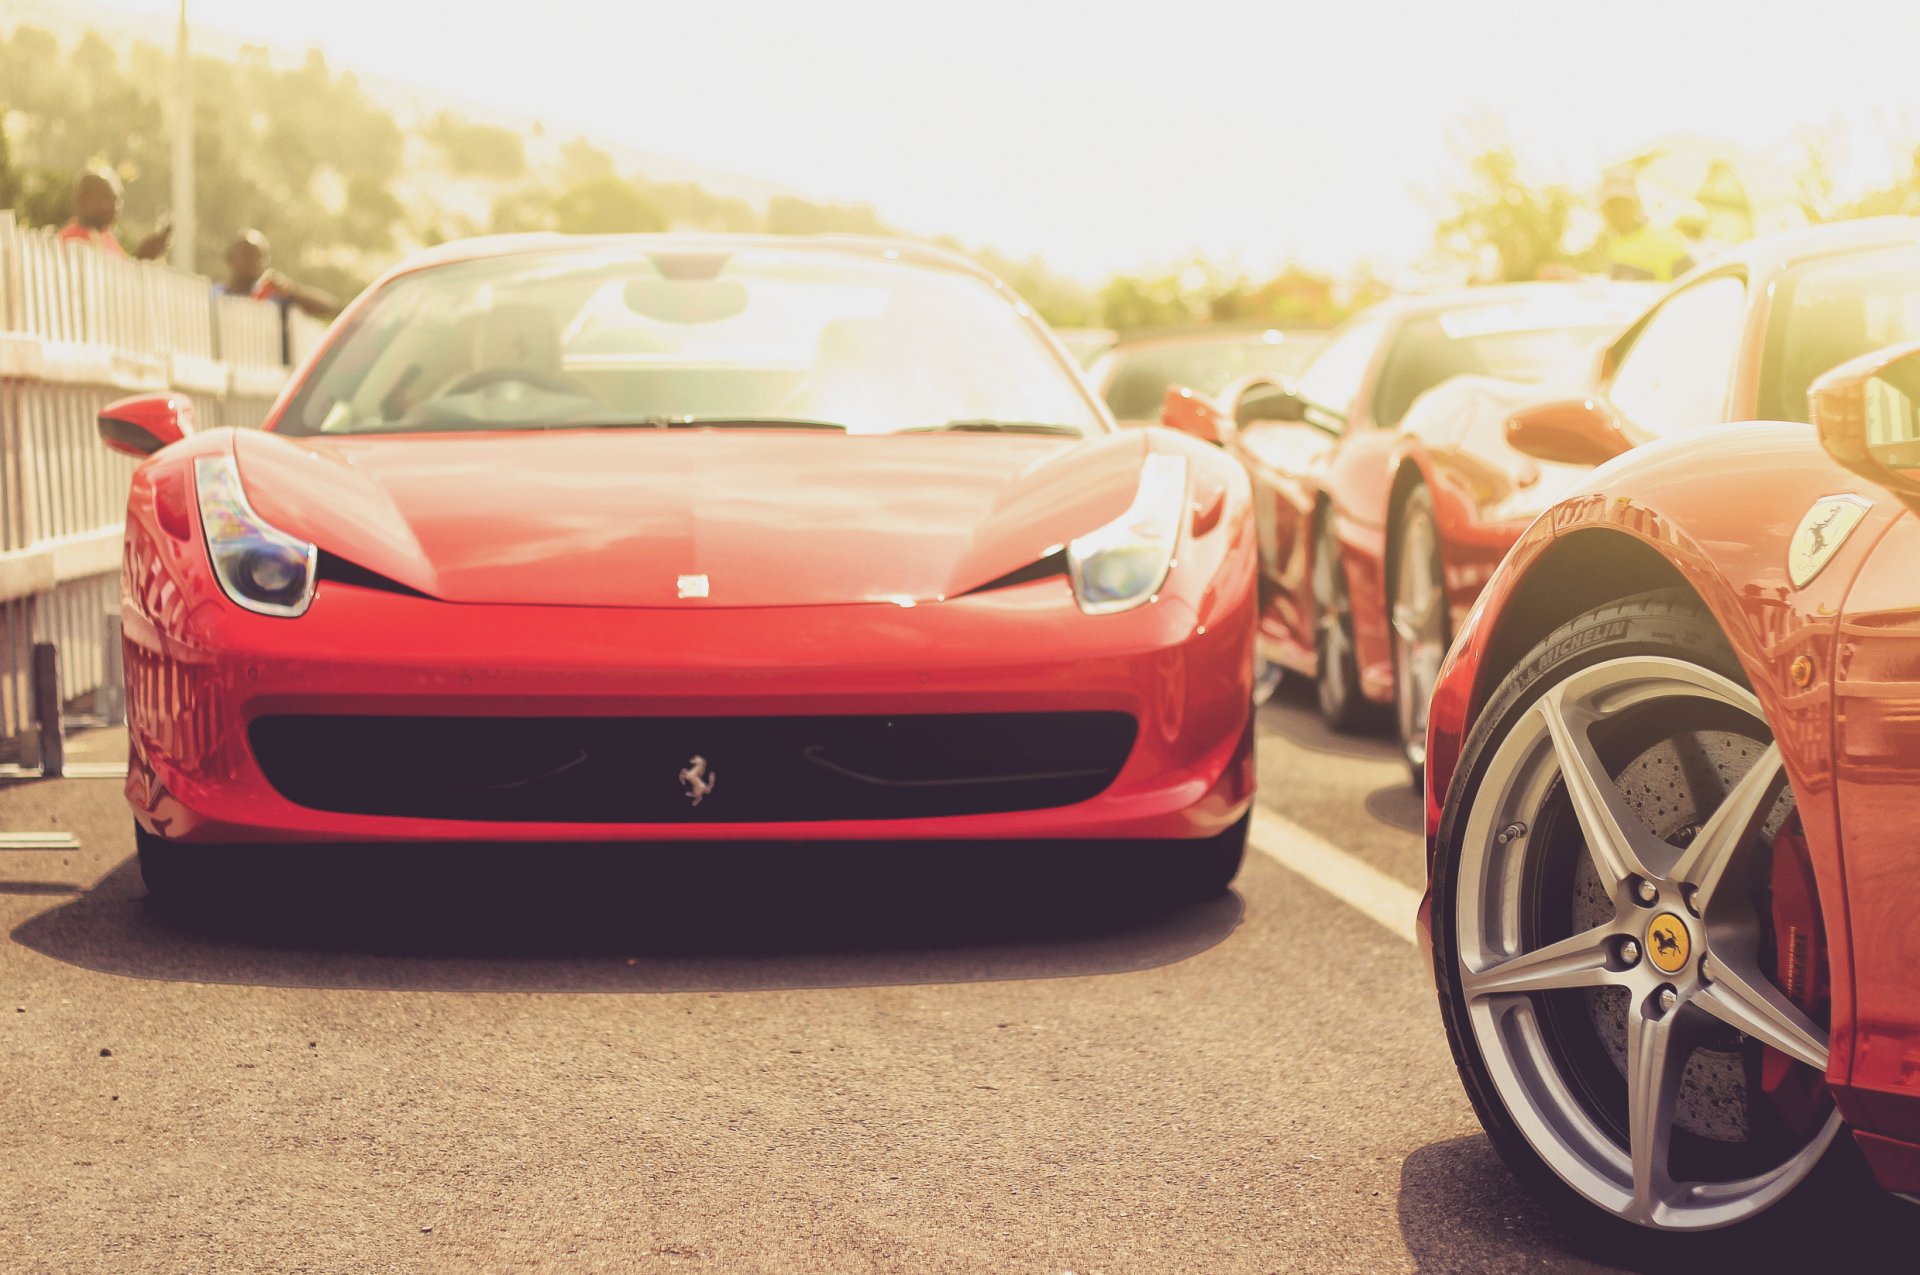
(1715, 510)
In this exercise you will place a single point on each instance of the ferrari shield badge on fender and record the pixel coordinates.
(1821, 533)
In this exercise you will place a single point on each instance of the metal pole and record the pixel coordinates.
(46, 709)
(184, 228)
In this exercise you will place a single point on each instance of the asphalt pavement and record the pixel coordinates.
(931, 1058)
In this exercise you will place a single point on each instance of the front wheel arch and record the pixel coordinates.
(1574, 574)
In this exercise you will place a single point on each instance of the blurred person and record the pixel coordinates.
(1636, 247)
(248, 276)
(97, 195)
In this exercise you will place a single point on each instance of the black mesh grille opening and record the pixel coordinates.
(751, 769)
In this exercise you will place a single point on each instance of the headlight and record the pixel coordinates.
(1124, 563)
(261, 567)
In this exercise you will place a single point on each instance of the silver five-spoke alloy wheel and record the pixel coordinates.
(1662, 949)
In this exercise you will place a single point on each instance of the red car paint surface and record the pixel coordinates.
(526, 573)
(1716, 510)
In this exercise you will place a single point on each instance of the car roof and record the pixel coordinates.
(1415, 305)
(872, 247)
(1773, 253)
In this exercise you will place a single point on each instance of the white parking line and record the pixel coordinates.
(1360, 885)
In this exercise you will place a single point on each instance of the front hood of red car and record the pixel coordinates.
(616, 518)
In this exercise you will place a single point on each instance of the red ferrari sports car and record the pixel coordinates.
(1673, 764)
(684, 538)
(1324, 454)
(1134, 376)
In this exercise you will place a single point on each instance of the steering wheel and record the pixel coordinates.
(553, 382)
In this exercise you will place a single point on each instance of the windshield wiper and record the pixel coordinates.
(994, 427)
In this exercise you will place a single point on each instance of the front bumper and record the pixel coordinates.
(201, 671)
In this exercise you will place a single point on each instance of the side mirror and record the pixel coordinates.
(142, 425)
(1578, 431)
(1868, 415)
(1193, 415)
(1268, 401)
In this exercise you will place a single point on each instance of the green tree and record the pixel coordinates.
(1293, 298)
(1131, 303)
(692, 205)
(791, 215)
(477, 150)
(522, 208)
(1499, 215)
(1897, 198)
(605, 206)
(12, 182)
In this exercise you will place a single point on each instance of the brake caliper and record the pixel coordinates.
(1797, 1092)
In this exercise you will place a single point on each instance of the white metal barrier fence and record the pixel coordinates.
(79, 328)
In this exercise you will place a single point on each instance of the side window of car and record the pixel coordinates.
(1333, 380)
(1679, 370)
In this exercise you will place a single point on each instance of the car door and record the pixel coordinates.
(1287, 461)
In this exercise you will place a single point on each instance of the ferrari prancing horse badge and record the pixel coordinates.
(1821, 533)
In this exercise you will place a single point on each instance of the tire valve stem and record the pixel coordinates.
(1512, 832)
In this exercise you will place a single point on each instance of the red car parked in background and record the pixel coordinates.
(1324, 457)
(1741, 338)
(1133, 376)
(1674, 771)
(1422, 516)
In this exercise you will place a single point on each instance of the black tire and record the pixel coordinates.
(1667, 622)
(1336, 675)
(1418, 505)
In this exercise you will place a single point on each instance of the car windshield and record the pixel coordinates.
(1138, 387)
(1834, 311)
(607, 336)
(1519, 341)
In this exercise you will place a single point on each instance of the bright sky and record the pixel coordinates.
(1121, 135)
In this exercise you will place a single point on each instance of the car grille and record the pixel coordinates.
(644, 769)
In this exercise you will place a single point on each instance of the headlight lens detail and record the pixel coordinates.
(261, 567)
(1124, 563)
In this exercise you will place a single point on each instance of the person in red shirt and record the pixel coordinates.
(96, 206)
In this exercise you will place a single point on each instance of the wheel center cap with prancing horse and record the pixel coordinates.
(1668, 944)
